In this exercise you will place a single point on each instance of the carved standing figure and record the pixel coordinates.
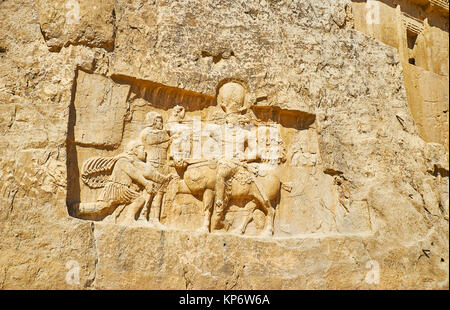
(180, 146)
(156, 141)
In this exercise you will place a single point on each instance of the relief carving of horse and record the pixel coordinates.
(259, 191)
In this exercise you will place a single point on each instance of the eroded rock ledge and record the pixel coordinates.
(148, 258)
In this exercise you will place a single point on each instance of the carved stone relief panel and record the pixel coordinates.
(143, 153)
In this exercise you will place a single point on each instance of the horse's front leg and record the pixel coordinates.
(174, 187)
(270, 217)
(208, 202)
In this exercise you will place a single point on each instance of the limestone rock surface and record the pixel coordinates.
(362, 200)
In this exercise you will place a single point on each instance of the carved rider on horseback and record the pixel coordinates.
(239, 150)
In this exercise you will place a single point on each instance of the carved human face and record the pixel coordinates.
(158, 124)
(179, 113)
(154, 120)
(244, 121)
(231, 97)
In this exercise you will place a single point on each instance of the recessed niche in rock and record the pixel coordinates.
(145, 154)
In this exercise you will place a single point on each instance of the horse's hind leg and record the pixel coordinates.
(175, 187)
(267, 208)
(208, 201)
(250, 207)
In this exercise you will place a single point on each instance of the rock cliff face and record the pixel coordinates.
(418, 29)
(114, 169)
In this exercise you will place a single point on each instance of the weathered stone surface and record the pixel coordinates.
(85, 22)
(429, 103)
(183, 260)
(419, 30)
(358, 187)
(100, 111)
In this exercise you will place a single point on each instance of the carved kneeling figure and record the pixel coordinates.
(121, 188)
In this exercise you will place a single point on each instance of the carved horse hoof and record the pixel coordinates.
(156, 224)
(203, 230)
(241, 231)
(267, 233)
(142, 222)
(127, 222)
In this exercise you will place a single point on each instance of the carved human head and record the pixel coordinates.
(137, 149)
(231, 97)
(154, 120)
(243, 120)
(178, 113)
